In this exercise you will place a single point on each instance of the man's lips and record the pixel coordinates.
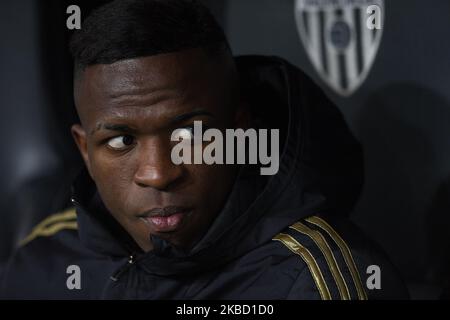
(165, 219)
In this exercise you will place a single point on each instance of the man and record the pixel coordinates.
(145, 228)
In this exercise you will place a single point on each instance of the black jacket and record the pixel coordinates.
(285, 236)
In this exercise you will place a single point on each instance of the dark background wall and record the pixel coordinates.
(401, 114)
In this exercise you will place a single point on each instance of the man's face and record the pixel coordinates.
(128, 112)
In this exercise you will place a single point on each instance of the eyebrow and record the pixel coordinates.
(127, 129)
(189, 115)
(113, 127)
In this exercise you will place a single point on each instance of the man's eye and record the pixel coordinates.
(121, 142)
(184, 133)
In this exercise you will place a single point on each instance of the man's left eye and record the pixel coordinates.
(121, 142)
(186, 133)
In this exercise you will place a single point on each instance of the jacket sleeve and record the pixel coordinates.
(377, 279)
(338, 263)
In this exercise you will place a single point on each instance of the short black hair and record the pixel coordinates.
(126, 29)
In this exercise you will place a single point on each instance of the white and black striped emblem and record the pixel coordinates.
(338, 40)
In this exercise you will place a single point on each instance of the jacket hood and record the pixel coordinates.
(320, 171)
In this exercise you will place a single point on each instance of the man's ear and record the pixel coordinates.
(79, 135)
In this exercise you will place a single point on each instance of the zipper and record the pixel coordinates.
(74, 202)
(131, 260)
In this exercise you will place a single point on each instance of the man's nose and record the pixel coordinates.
(155, 167)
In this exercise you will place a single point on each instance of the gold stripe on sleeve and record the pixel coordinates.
(304, 253)
(320, 241)
(59, 221)
(346, 253)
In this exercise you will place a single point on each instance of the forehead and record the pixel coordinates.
(178, 79)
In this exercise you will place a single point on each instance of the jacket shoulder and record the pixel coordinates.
(336, 256)
(52, 226)
(51, 245)
(329, 260)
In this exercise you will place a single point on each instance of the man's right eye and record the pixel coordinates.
(120, 142)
